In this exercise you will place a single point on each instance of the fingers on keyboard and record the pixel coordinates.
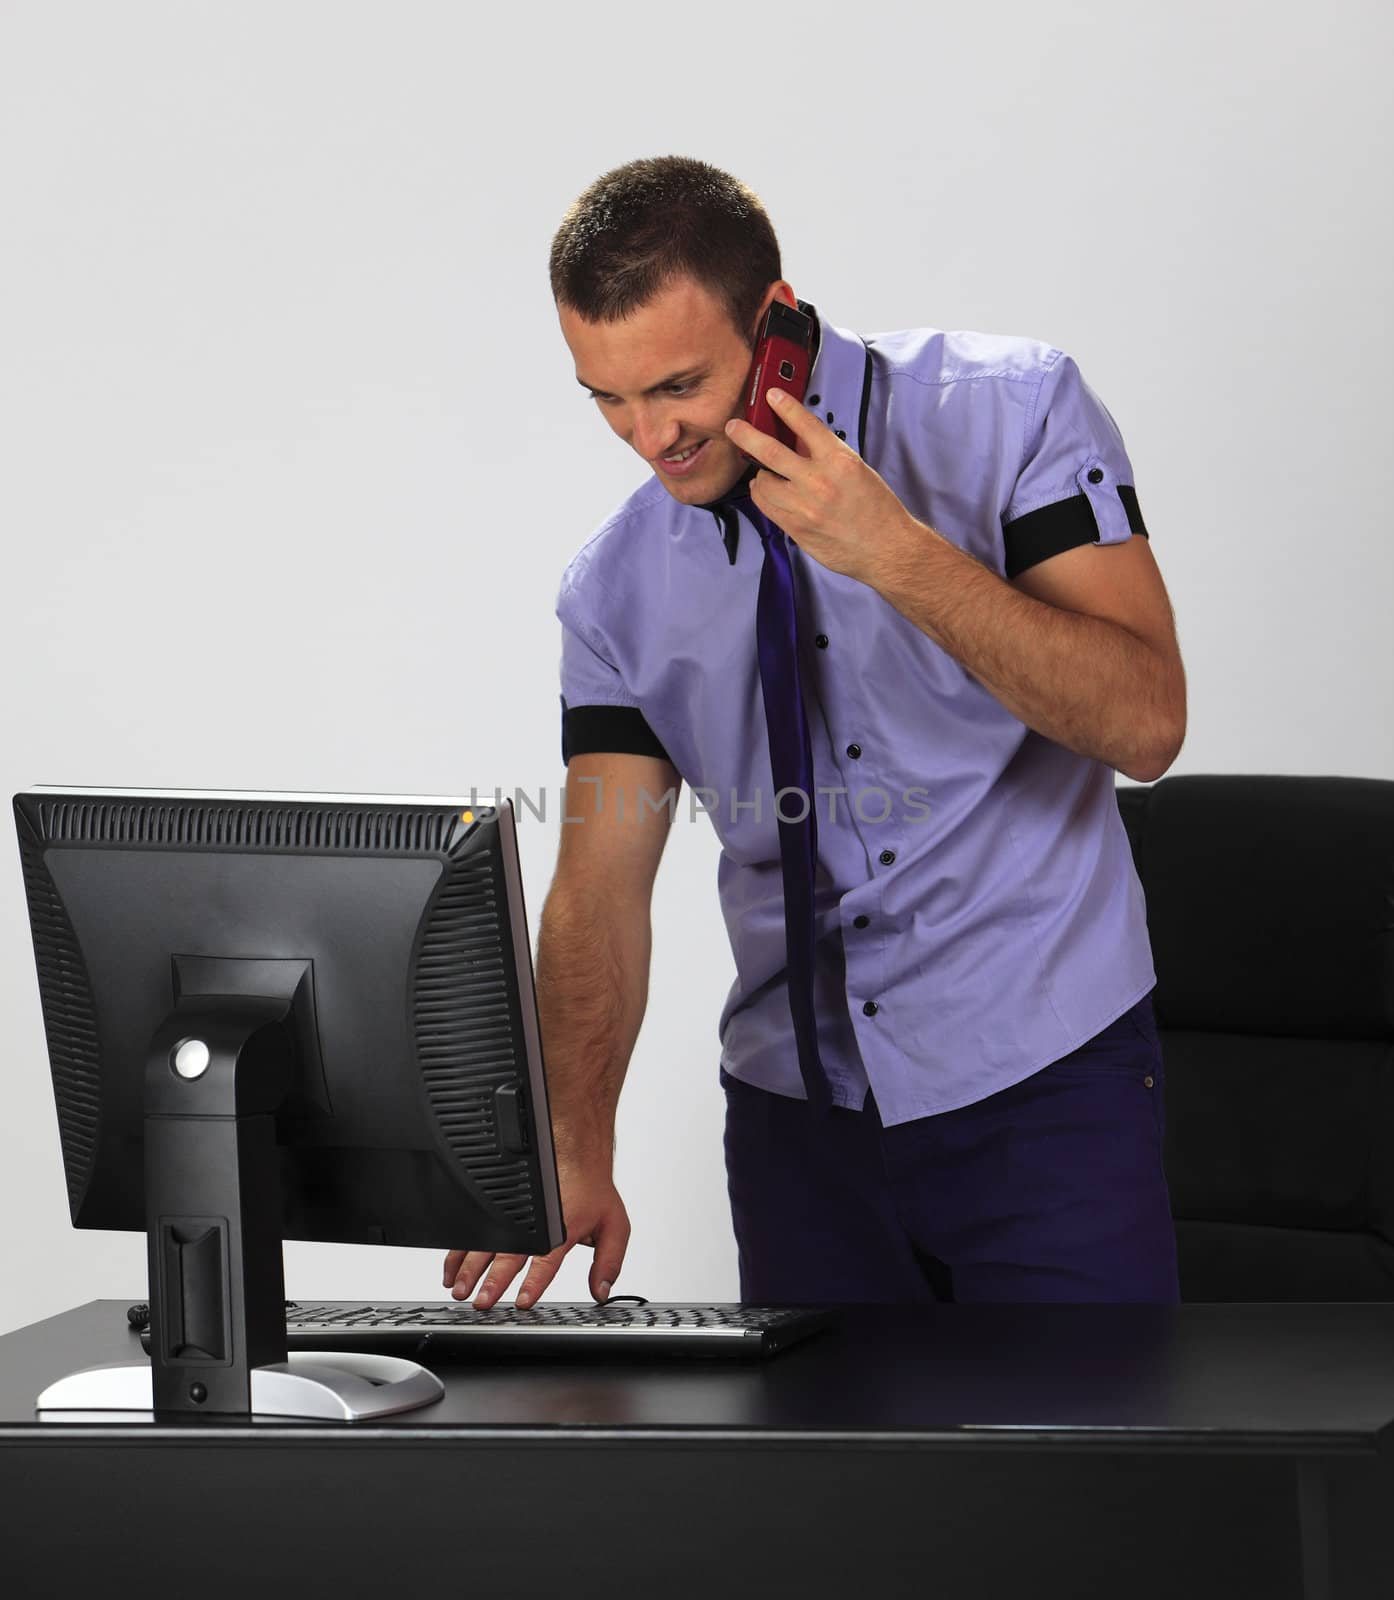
(468, 1272)
(497, 1279)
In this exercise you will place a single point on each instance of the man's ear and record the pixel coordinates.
(781, 291)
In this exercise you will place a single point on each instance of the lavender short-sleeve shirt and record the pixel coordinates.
(978, 914)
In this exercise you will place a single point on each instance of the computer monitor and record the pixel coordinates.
(282, 1016)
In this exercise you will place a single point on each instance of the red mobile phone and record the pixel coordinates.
(783, 356)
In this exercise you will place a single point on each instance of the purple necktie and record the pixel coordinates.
(791, 763)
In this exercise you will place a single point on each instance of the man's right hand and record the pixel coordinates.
(595, 1216)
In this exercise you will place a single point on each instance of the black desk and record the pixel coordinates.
(1127, 1451)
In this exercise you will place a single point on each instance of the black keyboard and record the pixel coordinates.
(558, 1330)
(561, 1330)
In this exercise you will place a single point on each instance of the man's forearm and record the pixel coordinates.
(592, 988)
(1086, 683)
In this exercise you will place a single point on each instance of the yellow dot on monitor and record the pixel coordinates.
(467, 816)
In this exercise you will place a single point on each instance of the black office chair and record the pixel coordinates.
(1270, 904)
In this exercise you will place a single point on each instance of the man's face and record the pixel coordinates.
(668, 378)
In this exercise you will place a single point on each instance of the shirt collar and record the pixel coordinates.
(838, 391)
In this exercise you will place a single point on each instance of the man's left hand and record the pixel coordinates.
(824, 496)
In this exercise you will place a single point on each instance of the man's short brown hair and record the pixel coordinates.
(641, 225)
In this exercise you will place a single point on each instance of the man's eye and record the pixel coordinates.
(668, 388)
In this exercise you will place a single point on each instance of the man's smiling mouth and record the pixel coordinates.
(684, 461)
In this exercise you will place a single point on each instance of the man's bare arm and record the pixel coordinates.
(595, 941)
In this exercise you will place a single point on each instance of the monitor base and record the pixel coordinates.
(332, 1384)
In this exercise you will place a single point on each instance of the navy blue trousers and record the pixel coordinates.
(1050, 1190)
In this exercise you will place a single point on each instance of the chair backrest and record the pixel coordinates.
(1270, 905)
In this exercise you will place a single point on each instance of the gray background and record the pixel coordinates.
(293, 456)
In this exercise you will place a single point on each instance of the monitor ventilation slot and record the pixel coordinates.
(238, 827)
(464, 1041)
(69, 1022)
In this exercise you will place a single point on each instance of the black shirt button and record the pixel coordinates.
(1095, 475)
(887, 856)
(870, 1008)
(831, 419)
(854, 750)
(842, 433)
(813, 399)
(861, 920)
(821, 641)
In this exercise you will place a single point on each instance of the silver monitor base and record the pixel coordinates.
(340, 1385)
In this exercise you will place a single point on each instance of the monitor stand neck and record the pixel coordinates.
(218, 1069)
(213, 1199)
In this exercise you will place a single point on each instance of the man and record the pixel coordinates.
(983, 638)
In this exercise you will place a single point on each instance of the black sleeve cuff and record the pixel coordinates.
(607, 730)
(1050, 529)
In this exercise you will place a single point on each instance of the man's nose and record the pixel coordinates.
(654, 435)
